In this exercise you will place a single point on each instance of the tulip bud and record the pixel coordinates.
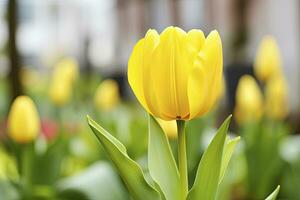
(268, 59)
(169, 127)
(249, 101)
(276, 94)
(64, 76)
(60, 92)
(67, 69)
(107, 95)
(23, 120)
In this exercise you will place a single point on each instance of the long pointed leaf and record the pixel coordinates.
(273, 196)
(209, 170)
(228, 151)
(162, 165)
(128, 169)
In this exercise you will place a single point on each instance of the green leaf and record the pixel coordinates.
(228, 151)
(209, 170)
(8, 190)
(50, 161)
(128, 169)
(97, 182)
(162, 165)
(273, 196)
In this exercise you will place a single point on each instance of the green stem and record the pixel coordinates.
(44, 192)
(26, 159)
(182, 158)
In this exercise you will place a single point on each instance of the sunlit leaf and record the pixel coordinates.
(273, 196)
(162, 165)
(228, 151)
(128, 169)
(209, 170)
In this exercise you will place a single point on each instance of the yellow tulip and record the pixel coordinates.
(249, 101)
(169, 127)
(276, 94)
(107, 95)
(268, 59)
(177, 75)
(60, 91)
(23, 120)
(64, 76)
(67, 69)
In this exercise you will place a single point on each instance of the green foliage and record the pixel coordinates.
(209, 170)
(194, 133)
(228, 151)
(274, 194)
(162, 165)
(8, 191)
(128, 169)
(290, 184)
(163, 170)
(97, 182)
(49, 161)
(262, 143)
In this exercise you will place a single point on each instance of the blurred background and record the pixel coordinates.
(100, 34)
(97, 37)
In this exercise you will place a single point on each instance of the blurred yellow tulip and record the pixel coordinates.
(177, 75)
(268, 59)
(107, 95)
(61, 87)
(276, 93)
(67, 69)
(60, 92)
(169, 127)
(249, 101)
(23, 120)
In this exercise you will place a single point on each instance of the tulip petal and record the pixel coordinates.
(210, 60)
(171, 66)
(249, 100)
(214, 64)
(268, 59)
(197, 88)
(196, 38)
(138, 65)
